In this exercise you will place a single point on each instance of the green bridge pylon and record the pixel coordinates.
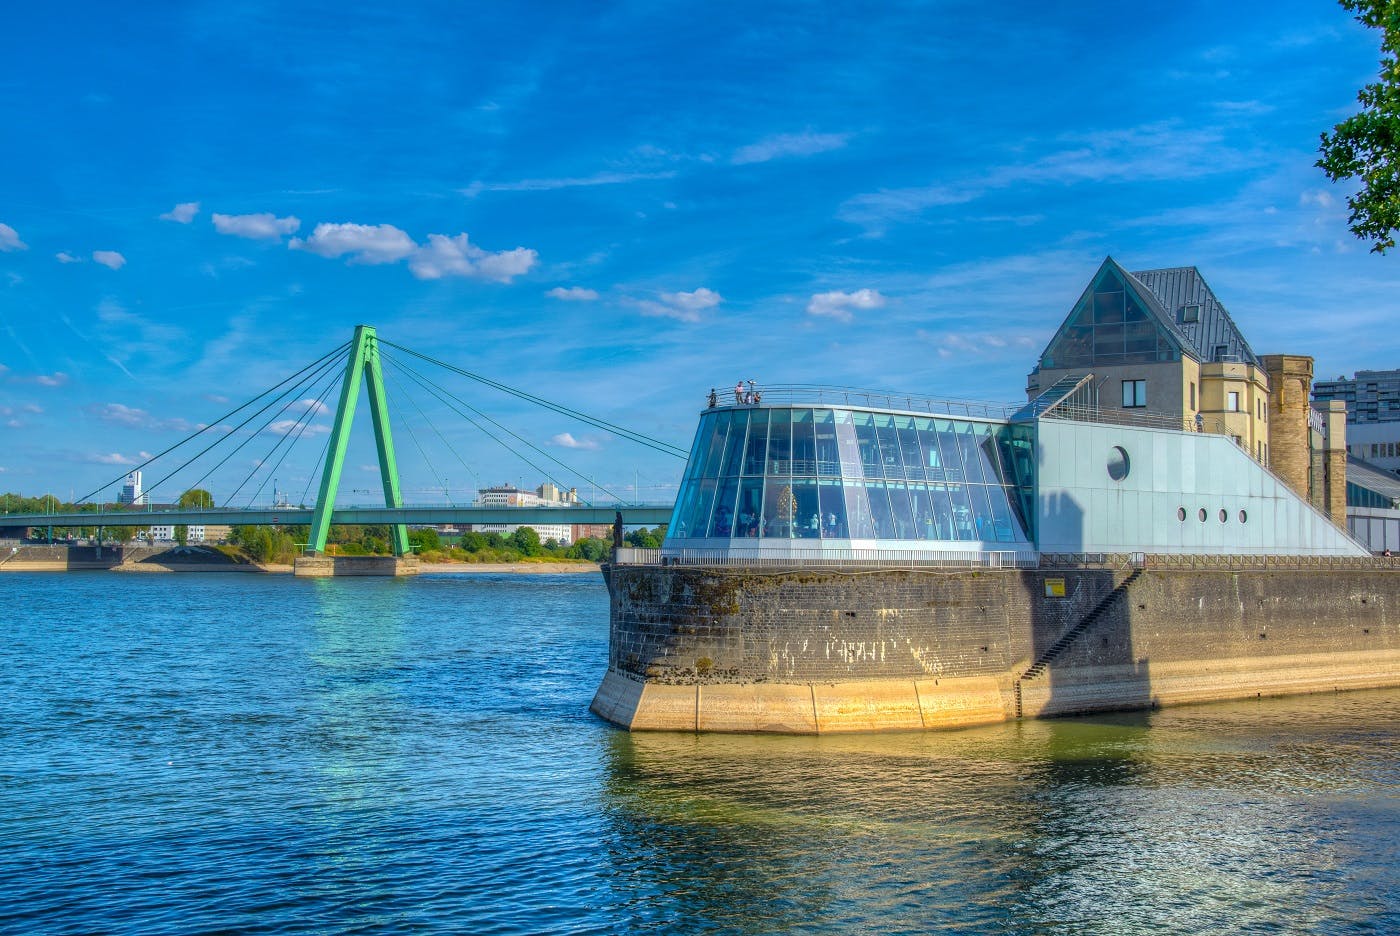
(364, 361)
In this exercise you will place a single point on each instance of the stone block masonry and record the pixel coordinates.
(818, 651)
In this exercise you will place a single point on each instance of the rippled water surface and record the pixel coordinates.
(203, 753)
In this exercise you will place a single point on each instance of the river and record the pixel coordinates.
(247, 754)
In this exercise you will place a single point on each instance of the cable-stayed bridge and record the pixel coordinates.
(284, 413)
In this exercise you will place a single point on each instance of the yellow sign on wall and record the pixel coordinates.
(1054, 588)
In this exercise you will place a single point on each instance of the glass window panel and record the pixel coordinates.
(1140, 336)
(1002, 518)
(858, 511)
(833, 507)
(901, 512)
(828, 455)
(722, 519)
(1108, 340)
(880, 509)
(699, 519)
(697, 448)
(921, 502)
(804, 443)
(749, 507)
(948, 446)
(848, 445)
(989, 452)
(1108, 308)
(779, 443)
(807, 520)
(1133, 311)
(971, 455)
(983, 525)
(928, 450)
(715, 448)
(779, 509)
(756, 455)
(1083, 314)
(942, 513)
(909, 447)
(869, 447)
(962, 513)
(889, 446)
(679, 527)
(734, 448)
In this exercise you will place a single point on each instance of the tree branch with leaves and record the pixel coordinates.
(1366, 146)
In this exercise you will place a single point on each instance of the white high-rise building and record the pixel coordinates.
(131, 492)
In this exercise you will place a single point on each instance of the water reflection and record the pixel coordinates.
(1189, 821)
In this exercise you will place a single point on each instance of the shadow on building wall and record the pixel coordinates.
(1080, 654)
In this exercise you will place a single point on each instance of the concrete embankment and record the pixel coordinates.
(116, 558)
(824, 651)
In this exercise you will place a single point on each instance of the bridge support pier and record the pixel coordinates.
(334, 566)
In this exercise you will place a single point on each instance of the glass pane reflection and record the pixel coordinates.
(850, 475)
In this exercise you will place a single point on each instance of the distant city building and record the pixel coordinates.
(546, 495)
(131, 492)
(1371, 396)
(1372, 400)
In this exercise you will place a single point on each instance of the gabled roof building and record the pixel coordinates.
(1159, 343)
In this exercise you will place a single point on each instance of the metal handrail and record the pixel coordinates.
(799, 394)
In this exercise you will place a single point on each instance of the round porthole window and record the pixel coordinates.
(1223, 515)
(1118, 463)
(1244, 517)
(1202, 514)
(1181, 514)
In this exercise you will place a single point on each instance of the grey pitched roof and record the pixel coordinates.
(1366, 475)
(1178, 287)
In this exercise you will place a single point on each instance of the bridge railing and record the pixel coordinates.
(836, 557)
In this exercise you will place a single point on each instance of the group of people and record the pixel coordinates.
(749, 394)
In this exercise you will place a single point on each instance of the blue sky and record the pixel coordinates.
(619, 206)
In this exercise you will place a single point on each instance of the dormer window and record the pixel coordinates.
(1191, 313)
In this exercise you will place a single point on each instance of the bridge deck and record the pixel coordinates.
(632, 514)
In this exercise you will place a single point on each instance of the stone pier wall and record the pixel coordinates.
(816, 651)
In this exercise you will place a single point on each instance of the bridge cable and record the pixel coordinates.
(630, 435)
(392, 400)
(439, 391)
(335, 372)
(441, 437)
(305, 422)
(224, 461)
(215, 423)
(293, 391)
(320, 460)
(436, 391)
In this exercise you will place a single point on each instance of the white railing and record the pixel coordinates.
(892, 558)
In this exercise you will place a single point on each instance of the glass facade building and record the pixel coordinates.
(765, 475)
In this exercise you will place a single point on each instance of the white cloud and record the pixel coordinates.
(456, 256)
(182, 213)
(64, 256)
(9, 239)
(550, 185)
(315, 406)
(284, 426)
(567, 440)
(56, 379)
(109, 258)
(263, 226)
(362, 243)
(684, 306)
(129, 416)
(1320, 198)
(789, 144)
(116, 458)
(573, 294)
(839, 305)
